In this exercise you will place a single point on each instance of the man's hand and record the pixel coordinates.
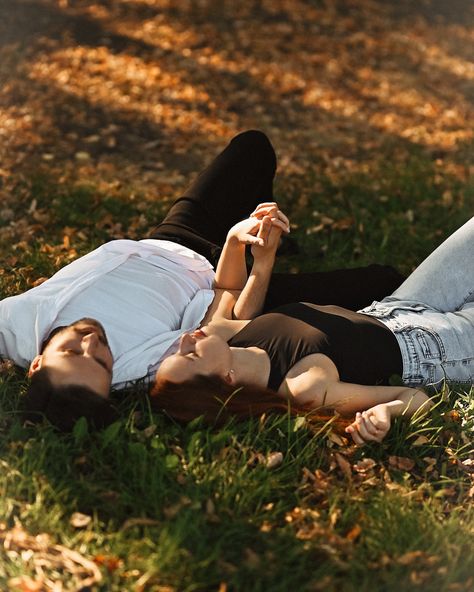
(371, 425)
(256, 230)
(246, 232)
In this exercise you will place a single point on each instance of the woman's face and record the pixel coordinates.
(198, 353)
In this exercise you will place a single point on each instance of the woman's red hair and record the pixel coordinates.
(217, 401)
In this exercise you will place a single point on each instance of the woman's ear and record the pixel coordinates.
(35, 364)
(230, 377)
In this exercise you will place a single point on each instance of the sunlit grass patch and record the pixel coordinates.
(274, 503)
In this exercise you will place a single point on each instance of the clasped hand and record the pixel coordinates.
(262, 230)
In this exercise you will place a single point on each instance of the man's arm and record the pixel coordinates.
(250, 302)
(262, 231)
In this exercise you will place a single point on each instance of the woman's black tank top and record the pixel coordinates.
(363, 349)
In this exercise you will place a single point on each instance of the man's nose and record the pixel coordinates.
(187, 344)
(90, 342)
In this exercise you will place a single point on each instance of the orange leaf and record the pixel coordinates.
(354, 533)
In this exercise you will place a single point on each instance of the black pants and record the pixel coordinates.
(227, 191)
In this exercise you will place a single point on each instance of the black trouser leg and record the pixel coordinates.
(227, 191)
(350, 288)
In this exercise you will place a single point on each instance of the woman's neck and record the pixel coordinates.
(251, 365)
(224, 328)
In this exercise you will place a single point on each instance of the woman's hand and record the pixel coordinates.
(371, 425)
(273, 224)
(270, 232)
(270, 208)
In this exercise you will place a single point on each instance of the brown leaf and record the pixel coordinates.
(401, 462)
(364, 465)
(467, 465)
(420, 441)
(79, 520)
(274, 460)
(344, 465)
(354, 533)
(25, 584)
(410, 557)
(336, 439)
(110, 562)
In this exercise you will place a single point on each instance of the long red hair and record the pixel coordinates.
(217, 401)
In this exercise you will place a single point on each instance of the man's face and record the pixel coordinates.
(78, 354)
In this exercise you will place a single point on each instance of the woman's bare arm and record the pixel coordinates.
(314, 382)
(374, 423)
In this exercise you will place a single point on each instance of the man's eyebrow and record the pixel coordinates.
(103, 364)
(96, 359)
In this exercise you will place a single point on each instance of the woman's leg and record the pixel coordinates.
(445, 279)
(227, 191)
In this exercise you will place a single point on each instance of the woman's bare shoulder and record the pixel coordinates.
(307, 381)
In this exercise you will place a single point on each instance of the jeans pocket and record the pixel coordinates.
(430, 345)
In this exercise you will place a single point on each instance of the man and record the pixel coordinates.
(135, 299)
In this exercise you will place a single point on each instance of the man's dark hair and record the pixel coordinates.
(64, 405)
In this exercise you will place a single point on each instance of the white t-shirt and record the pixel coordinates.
(145, 293)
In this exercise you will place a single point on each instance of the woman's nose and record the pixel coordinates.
(187, 344)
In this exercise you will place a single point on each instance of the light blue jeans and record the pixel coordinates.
(432, 314)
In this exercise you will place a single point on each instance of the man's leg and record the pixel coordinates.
(350, 288)
(445, 279)
(227, 191)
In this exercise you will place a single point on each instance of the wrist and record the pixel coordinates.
(264, 261)
(232, 240)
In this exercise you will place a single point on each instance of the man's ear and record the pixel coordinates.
(35, 364)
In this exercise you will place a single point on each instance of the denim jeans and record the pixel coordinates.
(432, 314)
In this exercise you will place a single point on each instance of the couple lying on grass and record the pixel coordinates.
(306, 358)
(144, 300)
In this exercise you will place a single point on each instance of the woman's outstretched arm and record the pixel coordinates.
(373, 424)
(314, 382)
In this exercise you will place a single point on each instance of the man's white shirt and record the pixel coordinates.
(145, 293)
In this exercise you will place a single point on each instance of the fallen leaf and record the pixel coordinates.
(344, 465)
(274, 460)
(364, 465)
(354, 533)
(79, 520)
(420, 441)
(110, 562)
(410, 557)
(401, 462)
(336, 439)
(25, 584)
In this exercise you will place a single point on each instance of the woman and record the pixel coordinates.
(325, 356)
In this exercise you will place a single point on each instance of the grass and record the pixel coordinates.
(169, 507)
